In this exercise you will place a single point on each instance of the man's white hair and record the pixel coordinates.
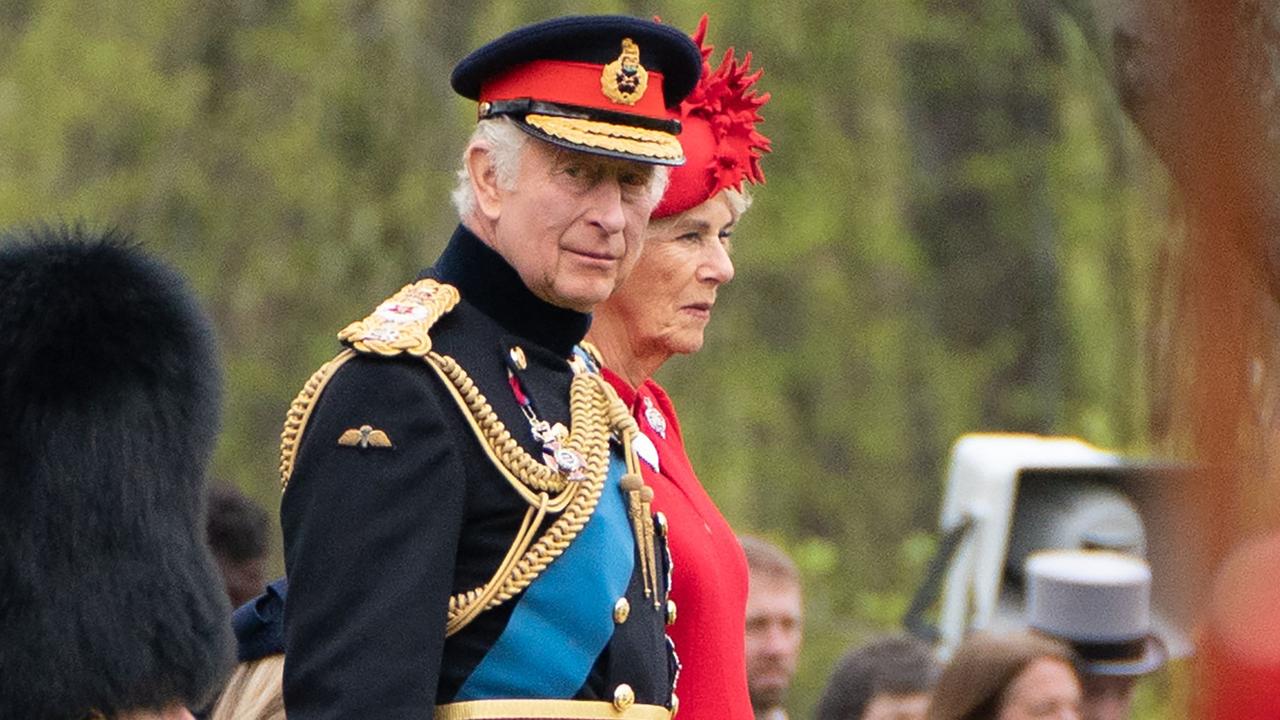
(505, 142)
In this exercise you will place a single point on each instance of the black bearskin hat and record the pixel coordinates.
(109, 393)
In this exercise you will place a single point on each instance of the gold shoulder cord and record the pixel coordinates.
(295, 421)
(530, 477)
(400, 325)
(591, 423)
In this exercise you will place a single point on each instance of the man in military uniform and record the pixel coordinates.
(464, 523)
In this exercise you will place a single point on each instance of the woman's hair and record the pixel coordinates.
(739, 200)
(973, 685)
(256, 691)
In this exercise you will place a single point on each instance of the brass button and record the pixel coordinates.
(662, 523)
(621, 611)
(484, 110)
(675, 704)
(623, 697)
(518, 358)
(671, 612)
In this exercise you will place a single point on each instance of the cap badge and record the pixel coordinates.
(624, 80)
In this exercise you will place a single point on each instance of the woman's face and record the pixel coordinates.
(666, 301)
(1046, 690)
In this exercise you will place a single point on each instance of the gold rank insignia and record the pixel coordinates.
(364, 437)
(624, 80)
(402, 323)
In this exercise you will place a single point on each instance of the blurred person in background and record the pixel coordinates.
(1099, 602)
(1238, 651)
(1018, 676)
(238, 533)
(256, 688)
(662, 310)
(775, 622)
(110, 392)
(885, 679)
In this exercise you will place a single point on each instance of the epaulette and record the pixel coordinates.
(402, 323)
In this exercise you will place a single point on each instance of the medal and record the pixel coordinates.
(564, 460)
(555, 455)
(571, 464)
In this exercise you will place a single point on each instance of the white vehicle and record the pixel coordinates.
(1008, 496)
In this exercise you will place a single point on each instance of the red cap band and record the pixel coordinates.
(571, 83)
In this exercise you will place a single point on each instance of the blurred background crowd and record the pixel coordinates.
(1027, 216)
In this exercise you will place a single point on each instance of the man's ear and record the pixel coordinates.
(484, 181)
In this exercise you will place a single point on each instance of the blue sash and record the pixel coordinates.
(564, 619)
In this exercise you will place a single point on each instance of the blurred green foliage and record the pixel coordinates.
(959, 233)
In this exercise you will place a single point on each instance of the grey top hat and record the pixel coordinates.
(1100, 602)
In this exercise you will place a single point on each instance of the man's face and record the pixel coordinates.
(911, 706)
(1107, 698)
(574, 223)
(774, 617)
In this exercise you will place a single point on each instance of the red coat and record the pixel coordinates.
(709, 569)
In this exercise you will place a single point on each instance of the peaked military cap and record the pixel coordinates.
(599, 84)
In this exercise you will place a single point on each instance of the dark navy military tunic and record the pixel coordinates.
(378, 539)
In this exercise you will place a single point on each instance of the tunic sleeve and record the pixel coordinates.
(370, 539)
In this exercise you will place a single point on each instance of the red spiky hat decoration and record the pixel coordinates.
(722, 147)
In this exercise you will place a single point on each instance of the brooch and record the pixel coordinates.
(655, 419)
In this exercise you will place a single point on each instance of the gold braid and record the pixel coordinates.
(295, 421)
(595, 412)
(531, 472)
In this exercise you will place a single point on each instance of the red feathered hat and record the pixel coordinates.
(721, 144)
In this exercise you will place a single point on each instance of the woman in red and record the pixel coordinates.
(661, 310)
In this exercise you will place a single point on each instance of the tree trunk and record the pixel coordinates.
(1201, 79)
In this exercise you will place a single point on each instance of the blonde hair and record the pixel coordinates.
(255, 692)
(739, 200)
